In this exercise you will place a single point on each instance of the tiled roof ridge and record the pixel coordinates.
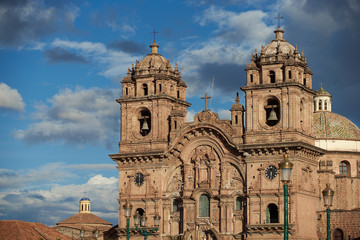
(45, 236)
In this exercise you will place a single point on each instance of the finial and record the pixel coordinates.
(154, 32)
(176, 67)
(296, 49)
(279, 19)
(255, 51)
(237, 100)
(302, 53)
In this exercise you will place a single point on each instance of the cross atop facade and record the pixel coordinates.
(206, 98)
(279, 18)
(154, 32)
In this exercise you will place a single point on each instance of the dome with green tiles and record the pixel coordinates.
(329, 125)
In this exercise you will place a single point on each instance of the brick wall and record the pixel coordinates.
(346, 220)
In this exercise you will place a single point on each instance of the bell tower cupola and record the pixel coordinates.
(279, 95)
(151, 91)
(322, 100)
(84, 205)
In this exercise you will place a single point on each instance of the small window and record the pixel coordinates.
(344, 168)
(126, 91)
(176, 205)
(325, 105)
(175, 124)
(289, 74)
(320, 104)
(272, 214)
(272, 77)
(251, 78)
(238, 204)
(305, 81)
(236, 119)
(178, 94)
(204, 206)
(145, 89)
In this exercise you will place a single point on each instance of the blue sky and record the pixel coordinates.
(61, 64)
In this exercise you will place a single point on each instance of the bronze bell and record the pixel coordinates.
(145, 126)
(272, 115)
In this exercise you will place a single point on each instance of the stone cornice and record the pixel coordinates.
(278, 85)
(152, 98)
(137, 158)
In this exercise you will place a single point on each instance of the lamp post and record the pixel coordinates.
(127, 210)
(328, 195)
(285, 174)
(142, 220)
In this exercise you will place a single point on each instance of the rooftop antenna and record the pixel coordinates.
(211, 93)
(279, 18)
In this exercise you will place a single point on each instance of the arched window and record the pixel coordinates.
(126, 91)
(272, 214)
(320, 104)
(289, 74)
(204, 206)
(325, 105)
(145, 89)
(305, 81)
(251, 78)
(344, 168)
(338, 234)
(238, 203)
(236, 119)
(178, 94)
(272, 77)
(160, 88)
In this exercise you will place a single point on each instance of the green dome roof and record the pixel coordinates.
(322, 92)
(329, 125)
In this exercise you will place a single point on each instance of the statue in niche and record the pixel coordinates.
(204, 160)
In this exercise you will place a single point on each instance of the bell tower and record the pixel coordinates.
(279, 94)
(151, 91)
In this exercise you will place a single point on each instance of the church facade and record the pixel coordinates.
(220, 179)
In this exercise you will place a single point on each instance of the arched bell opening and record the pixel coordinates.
(272, 110)
(145, 122)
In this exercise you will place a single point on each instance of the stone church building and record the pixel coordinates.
(220, 179)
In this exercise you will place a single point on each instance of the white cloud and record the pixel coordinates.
(87, 47)
(10, 98)
(114, 64)
(75, 117)
(232, 44)
(323, 20)
(57, 203)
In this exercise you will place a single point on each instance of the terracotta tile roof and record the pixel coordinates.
(89, 228)
(329, 125)
(19, 230)
(84, 218)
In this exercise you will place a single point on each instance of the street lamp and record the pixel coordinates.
(142, 220)
(285, 174)
(328, 195)
(127, 210)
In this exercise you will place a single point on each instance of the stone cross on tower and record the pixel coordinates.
(154, 32)
(278, 18)
(206, 98)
